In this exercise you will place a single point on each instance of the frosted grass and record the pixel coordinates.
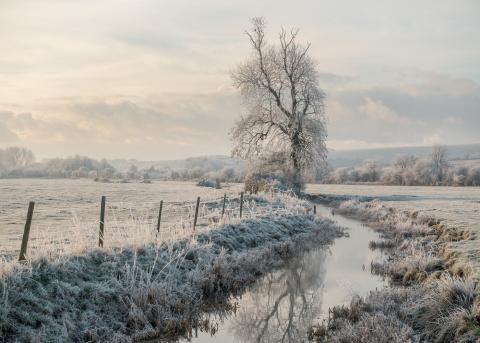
(138, 231)
(457, 208)
(145, 285)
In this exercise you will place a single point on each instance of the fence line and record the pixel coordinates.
(26, 231)
(219, 214)
(102, 222)
(159, 216)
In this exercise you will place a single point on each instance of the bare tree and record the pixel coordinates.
(16, 157)
(439, 164)
(279, 85)
(402, 162)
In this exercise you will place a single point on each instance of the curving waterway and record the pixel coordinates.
(283, 305)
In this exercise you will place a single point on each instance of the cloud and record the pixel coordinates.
(145, 128)
(6, 135)
(151, 80)
(398, 108)
(377, 111)
(403, 108)
(435, 138)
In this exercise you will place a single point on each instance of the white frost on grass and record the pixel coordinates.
(438, 307)
(132, 292)
(456, 207)
(177, 222)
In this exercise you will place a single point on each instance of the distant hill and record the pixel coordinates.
(336, 158)
(210, 163)
(354, 158)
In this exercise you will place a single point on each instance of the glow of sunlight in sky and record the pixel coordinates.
(150, 79)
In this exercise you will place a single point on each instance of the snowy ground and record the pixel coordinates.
(456, 207)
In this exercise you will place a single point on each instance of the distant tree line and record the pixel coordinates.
(407, 170)
(210, 168)
(20, 162)
(17, 162)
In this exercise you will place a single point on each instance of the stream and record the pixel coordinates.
(284, 304)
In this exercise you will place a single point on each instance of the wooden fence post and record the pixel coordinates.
(241, 204)
(159, 216)
(224, 200)
(196, 213)
(26, 231)
(102, 222)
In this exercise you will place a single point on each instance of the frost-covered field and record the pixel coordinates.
(147, 285)
(63, 206)
(457, 207)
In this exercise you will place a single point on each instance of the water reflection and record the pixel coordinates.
(284, 304)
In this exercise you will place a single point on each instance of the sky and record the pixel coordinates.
(150, 79)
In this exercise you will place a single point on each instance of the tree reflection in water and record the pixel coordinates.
(284, 304)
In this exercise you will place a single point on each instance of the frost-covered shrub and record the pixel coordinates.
(272, 173)
(473, 177)
(209, 183)
(369, 171)
(266, 183)
(412, 268)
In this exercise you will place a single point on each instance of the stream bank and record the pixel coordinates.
(152, 288)
(430, 300)
(287, 302)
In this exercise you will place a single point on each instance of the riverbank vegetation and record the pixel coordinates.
(432, 297)
(138, 290)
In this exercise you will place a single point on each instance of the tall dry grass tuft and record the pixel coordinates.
(449, 312)
(375, 318)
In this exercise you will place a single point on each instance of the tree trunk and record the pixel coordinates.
(297, 169)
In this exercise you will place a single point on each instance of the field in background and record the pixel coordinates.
(457, 207)
(65, 205)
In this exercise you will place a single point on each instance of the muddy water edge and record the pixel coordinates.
(284, 304)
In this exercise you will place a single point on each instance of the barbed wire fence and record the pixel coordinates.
(164, 223)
